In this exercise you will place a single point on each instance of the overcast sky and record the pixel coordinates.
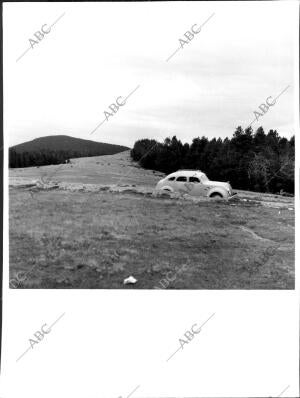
(97, 52)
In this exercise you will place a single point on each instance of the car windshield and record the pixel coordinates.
(204, 178)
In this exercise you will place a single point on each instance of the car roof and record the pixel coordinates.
(186, 173)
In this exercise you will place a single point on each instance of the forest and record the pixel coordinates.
(42, 157)
(250, 160)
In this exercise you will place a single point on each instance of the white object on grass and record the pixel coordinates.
(130, 280)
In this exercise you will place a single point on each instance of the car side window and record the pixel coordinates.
(181, 179)
(194, 179)
(171, 179)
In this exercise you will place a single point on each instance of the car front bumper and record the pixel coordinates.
(232, 195)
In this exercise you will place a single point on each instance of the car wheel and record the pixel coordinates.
(216, 195)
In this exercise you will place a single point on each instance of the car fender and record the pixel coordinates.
(219, 190)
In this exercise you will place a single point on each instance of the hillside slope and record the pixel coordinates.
(69, 144)
(108, 169)
(118, 169)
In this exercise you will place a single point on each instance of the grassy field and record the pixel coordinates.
(109, 169)
(63, 239)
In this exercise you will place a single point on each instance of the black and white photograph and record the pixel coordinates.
(151, 186)
(165, 162)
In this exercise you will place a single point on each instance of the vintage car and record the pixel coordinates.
(195, 183)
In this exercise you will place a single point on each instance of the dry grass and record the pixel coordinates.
(62, 239)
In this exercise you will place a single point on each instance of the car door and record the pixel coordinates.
(195, 187)
(180, 184)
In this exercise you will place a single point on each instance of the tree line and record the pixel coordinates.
(41, 157)
(249, 160)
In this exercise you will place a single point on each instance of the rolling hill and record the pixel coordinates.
(69, 144)
(57, 149)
